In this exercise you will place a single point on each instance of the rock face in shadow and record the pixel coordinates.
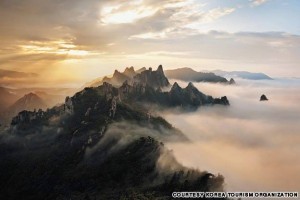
(139, 93)
(77, 151)
(221, 101)
(145, 88)
(263, 98)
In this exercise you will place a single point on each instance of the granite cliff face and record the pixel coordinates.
(146, 88)
(156, 79)
(189, 97)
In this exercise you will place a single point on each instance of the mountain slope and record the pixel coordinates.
(85, 149)
(188, 74)
(100, 144)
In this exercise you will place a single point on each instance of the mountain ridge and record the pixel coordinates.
(100, 144)
(117, 78)
(190, 75)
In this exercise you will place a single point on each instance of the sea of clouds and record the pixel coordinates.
(254, 144)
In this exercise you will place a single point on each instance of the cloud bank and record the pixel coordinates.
(253, 144)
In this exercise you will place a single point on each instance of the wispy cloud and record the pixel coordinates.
(258, 2)
(86, 33)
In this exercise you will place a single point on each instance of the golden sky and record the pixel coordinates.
(67, 43)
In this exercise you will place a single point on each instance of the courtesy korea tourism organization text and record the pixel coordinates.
(267, 195)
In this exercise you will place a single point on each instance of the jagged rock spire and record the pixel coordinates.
(160, 69)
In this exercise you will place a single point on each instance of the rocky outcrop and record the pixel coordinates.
(263, 98)
(27, 117)
(192, 97)
(129, 72)
(222, 101)
(68, 106)
(117, 78)
(188, 97)
(231, 81)
(156, 79)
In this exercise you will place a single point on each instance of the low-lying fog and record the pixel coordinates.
(255, 145)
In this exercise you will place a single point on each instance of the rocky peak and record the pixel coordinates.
(129, 71)
(176, 87)
(160, 69)
(176, 91)
(30, 94)
(222, 101)
(116, 73)
(263, 98)
(231, 81)
(29, 101)
(190, 86)
(107, 86)
(152, 78)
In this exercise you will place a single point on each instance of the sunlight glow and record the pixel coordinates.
(116, 15)
(54, 47)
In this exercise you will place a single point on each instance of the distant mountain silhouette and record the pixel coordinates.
(188, 74)
(9, 96)
(243, 75)
(29, 102)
